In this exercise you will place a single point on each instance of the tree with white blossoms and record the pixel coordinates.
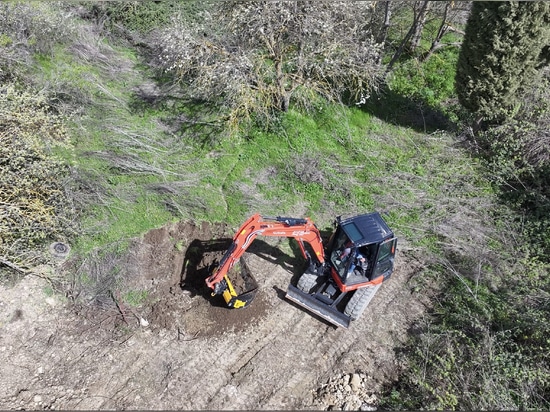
(256, 57)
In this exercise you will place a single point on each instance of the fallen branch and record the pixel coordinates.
(13, 266)
(119, 307)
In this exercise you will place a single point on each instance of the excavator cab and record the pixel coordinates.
(375, 243)
(340, 293)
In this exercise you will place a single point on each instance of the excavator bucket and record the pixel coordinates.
(241, 288)
(317, 306)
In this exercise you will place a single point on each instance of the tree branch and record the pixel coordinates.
(13, 266)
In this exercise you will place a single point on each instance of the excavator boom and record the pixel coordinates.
(301, 229)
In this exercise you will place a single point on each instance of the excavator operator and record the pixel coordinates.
(346, 251)
(360, 266)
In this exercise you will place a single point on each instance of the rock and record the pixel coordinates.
(355, 383)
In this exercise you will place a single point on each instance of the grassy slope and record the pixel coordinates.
(337, 161)
(140, 175)
(134, 172)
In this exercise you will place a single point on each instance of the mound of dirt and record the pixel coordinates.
(182, 348)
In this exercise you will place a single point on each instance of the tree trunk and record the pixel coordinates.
(443, 28)
(283, 95)
(418, 25)
(285, 102)
(386, 26)
(407, 39)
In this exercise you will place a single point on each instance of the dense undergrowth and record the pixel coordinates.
(33, 202)
(483, 344)
(141, 157)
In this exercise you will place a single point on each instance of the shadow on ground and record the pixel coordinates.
(396, 109)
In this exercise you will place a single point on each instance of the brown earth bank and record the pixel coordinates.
(181, 348)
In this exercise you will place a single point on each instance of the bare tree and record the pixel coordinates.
(446, 15)
(421, 10)
(411, 40)
(257, 57)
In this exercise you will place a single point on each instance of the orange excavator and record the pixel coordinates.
(341, 278)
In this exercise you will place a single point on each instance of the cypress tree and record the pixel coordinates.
(504, 44)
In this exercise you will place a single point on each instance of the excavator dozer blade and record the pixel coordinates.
(318, 307)
(243, 287)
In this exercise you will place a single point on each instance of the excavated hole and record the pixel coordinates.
(174, 261)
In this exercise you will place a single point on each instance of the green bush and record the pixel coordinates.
(36, 26)
(484, 350)
(518, 156)
(430, 82)
(503, 47)
(26, 29)
(141, 16)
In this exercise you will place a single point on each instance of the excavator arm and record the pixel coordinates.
(301, 229)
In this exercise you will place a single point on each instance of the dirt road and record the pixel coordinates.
(184, 350)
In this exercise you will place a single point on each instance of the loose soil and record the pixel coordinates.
(183, 348)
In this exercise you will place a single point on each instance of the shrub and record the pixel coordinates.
(37, 26)
(33, 204)
(255, 60)
(481, 351)
(29, 28)
(430, 82)
(142, 17)
(134, 15)
(518, 154)
(503, 47)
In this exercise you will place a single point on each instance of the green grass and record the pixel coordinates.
(335, 161)
(345, 158)
(135, 298)
(430, 82)
(121, 220)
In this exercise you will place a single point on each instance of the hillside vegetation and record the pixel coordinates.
(98, 146)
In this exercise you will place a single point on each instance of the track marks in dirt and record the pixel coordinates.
(289, 349)
(277, 362)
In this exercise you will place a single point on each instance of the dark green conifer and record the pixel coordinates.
(505, 43)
